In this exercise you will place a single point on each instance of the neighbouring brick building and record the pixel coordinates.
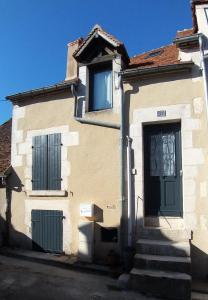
(5, 163)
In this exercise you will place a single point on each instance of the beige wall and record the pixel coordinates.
(183, 99)
(92, 156)
(92, 159)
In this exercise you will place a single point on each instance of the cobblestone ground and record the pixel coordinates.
(24, 280)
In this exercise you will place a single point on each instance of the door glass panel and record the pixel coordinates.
(154, 155)
(168, 154)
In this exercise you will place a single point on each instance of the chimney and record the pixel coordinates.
(71, 68)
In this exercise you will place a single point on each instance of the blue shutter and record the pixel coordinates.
(39, 162)
(54, 161)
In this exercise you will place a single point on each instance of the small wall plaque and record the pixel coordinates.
(161, 113)
(86, 210)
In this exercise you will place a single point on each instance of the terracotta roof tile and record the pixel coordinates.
(5, 145)
(184, 33)
(97, 28)
(167, 55)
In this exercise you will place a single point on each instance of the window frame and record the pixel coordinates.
(92, 68)
(206, 13)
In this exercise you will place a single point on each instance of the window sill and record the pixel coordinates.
(91, 112)
(51, 193)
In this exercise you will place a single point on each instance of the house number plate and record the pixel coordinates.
(161, 113)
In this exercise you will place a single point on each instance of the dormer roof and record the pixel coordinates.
(98, 31)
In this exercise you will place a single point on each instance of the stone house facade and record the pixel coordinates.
(116, 154)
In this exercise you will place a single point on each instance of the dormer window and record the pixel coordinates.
(98, 57)
(100, 87)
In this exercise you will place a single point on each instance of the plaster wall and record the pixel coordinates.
(86, 152)
(182, 98)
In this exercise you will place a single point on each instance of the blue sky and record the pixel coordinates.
(34, 35)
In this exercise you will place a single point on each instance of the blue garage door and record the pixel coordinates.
(47, 230)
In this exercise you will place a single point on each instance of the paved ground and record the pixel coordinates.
(24, 280)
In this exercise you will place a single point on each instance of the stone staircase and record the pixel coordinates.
(162, 264)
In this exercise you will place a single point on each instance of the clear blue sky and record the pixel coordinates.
(34, 35)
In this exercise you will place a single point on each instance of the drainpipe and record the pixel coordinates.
(204, 73)
(129, 184)
(122, 141)
(122, 170)
(98, 123)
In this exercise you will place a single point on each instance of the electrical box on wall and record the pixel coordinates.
(87, 210)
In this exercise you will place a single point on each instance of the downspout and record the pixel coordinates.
(122, 145)
(204, 73)
(97, 123)
(129, 181)
(122, 169)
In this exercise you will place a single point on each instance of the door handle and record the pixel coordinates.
(181, 172)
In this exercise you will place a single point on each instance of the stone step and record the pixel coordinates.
(167, 263)
(168, 285)
(175, 235)
(166, 248)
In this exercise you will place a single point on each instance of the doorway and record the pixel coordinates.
(162, 170)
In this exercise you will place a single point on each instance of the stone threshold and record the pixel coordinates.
(58, 260)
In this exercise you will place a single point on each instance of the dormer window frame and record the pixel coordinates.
(98, 63)
(206, 12)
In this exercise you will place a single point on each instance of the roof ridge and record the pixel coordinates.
(186, 29)
(97, 28)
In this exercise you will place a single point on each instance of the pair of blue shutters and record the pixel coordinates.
(46, 162)
(47, 230)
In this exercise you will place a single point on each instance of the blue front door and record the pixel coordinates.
(162, 170)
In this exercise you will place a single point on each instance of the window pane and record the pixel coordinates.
(169, 162)
(102, 90)
(206, 12)
(155, 155)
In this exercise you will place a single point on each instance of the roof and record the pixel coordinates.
(43, 90)
(184, 33)
(162, 69)
(97, 29)
(198, 2)
(5, 146)
(167, 55)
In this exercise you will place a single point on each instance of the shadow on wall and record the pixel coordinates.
(101, 240)
(98, 243)
(199, 263)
